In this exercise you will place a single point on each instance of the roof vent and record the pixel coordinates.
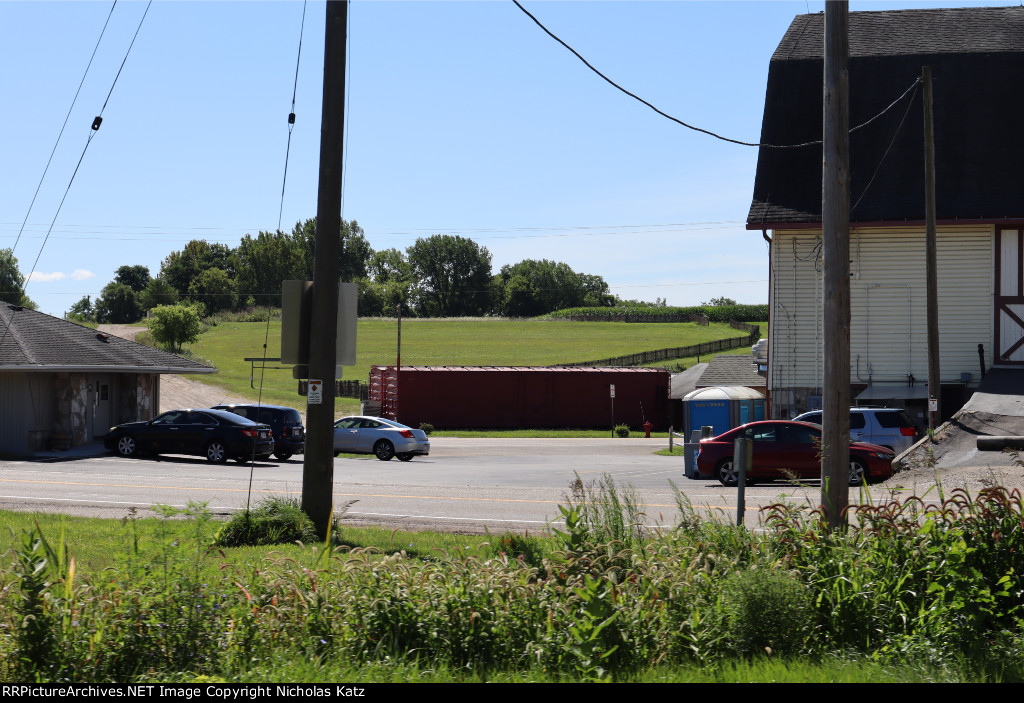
(16, 308)
(102, 337)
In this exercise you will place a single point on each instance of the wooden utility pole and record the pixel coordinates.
(931, 256)
(835, 222)
(318, 460)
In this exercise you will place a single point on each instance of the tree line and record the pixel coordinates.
(438, 276)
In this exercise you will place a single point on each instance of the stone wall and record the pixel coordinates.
(72, 397)
(135, 400)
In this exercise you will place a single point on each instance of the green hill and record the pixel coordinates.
(441, 342)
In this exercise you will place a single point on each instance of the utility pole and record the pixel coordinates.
(931, 256)
(835, 222)
(318, 460)
(398, 364)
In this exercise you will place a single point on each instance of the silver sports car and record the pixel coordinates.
(376, 435)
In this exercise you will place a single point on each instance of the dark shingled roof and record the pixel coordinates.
(731, 370)
(977, 60)
(33, 341)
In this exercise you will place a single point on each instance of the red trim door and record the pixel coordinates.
(1009, 298)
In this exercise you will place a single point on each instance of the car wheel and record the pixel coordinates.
(283, 456)
(216, 452)
(384, 450)
(405, 457)
(727, 472)
(126, 446)
(858, 474)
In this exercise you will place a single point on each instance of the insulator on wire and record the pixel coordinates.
(291, 118)
(96, 123)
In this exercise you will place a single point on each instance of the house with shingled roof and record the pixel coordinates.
(731, 370)
(63, 384)
(976, 55)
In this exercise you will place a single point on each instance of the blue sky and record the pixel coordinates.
(463, 118)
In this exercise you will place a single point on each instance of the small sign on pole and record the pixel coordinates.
(612, 387)
(315, 394)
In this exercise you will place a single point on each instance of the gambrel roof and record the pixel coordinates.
(977, 60)
(34, 341)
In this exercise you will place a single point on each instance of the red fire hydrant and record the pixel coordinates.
(647, 429)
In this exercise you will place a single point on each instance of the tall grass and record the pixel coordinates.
(932, 587)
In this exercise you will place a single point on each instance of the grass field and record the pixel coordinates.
(440, 342)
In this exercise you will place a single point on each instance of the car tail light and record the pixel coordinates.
(250, 433)
(908, 432)
(406, 433)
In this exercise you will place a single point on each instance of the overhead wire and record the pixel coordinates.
(693, 127)
(475, 233)
(61, 133)
(284, 181)
(291, 115)
(899, 127)
(97, 121)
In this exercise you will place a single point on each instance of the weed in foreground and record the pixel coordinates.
(936, 587)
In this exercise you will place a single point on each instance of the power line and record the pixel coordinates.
(97, 121)
(291, 116)
(690, 126)
(92, 133)
(61, 133)
(478, 232)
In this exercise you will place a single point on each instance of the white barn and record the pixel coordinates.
(977, 60)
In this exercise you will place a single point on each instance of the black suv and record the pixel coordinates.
(289, 434)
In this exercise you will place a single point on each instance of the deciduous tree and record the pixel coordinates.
(12, 283)
(214, 289)
(175, 325)
(453, 276)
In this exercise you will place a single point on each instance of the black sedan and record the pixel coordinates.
(216, 434)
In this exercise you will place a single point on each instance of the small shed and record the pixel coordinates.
(722, 407)
(466, 397)
(63, 385)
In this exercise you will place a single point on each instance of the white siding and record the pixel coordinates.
(888, 325)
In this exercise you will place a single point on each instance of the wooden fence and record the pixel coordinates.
(703, 349)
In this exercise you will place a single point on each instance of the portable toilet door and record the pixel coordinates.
(709, 412)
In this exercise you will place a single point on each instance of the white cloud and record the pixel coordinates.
(38, 277)
(77, 274)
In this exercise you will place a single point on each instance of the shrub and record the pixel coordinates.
(174, 325)
(273, 521)
(622, 430)
(766, 610)
(427, 427)
(528, 550)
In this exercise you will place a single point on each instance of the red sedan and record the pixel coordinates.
(786, 449)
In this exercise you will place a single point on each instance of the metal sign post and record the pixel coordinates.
(612, 386)
(743, 454)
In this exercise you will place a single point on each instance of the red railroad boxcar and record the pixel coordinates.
(522, 396)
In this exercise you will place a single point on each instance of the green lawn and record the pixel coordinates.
(687, 362)
(440, 342)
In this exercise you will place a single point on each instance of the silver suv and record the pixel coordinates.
(888, 427)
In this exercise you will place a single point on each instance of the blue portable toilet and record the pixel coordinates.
(722, 407)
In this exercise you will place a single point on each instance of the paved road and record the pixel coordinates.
(464, 485)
